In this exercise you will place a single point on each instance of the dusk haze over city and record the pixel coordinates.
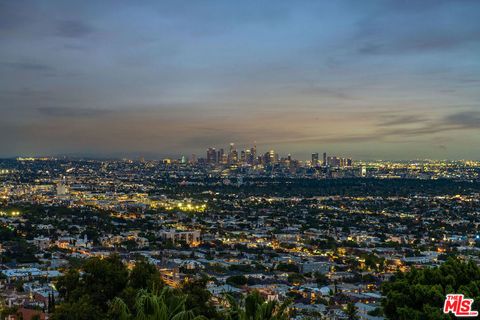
(372, 79)
(239, 160)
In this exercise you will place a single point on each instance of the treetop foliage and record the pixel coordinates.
(420, 293)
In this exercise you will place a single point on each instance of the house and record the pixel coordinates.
(24, 313)
(28, 274)
(190, 237)
(42, 242)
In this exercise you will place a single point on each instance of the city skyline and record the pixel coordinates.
(376, 80)
(203, 155)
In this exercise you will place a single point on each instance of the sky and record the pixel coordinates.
(365, 79)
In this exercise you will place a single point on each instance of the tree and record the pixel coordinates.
(238, 280)
(68, 284)
(51, 303)
(103, 279)
(320, 279)
(145, 276)
(420, 294)
(288, 267)
(83, 309)
(256, 308)
(351, 311)
(198, 298)
(167, 305)
(296, 278)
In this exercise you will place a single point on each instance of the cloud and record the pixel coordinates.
(73, 112)
(28, 66)
(428, 41)
(73, 29)
(464, 120)
(13, 14)
(393, 120)
(403, 27)
(328, 139)
(442, 147)
(25, 92)
(328, 92)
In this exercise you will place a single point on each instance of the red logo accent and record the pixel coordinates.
(459, 306)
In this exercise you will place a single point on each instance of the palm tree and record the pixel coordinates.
(167, 305)
(119, 310)
(256, 308)
(351, 311)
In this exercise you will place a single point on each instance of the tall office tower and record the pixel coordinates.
(253, 153)
(265, 158)
(211, 155)
(243, 156)
(336, 161)
(349, 162)
(272, 156)
(193, 158)
(314, 159)
(231, 153)
(324, 158)
(183, 160)
(234, 156)
(248, 156)
(289, 158)
(221, 155)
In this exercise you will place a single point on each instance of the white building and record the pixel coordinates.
(190, 237)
